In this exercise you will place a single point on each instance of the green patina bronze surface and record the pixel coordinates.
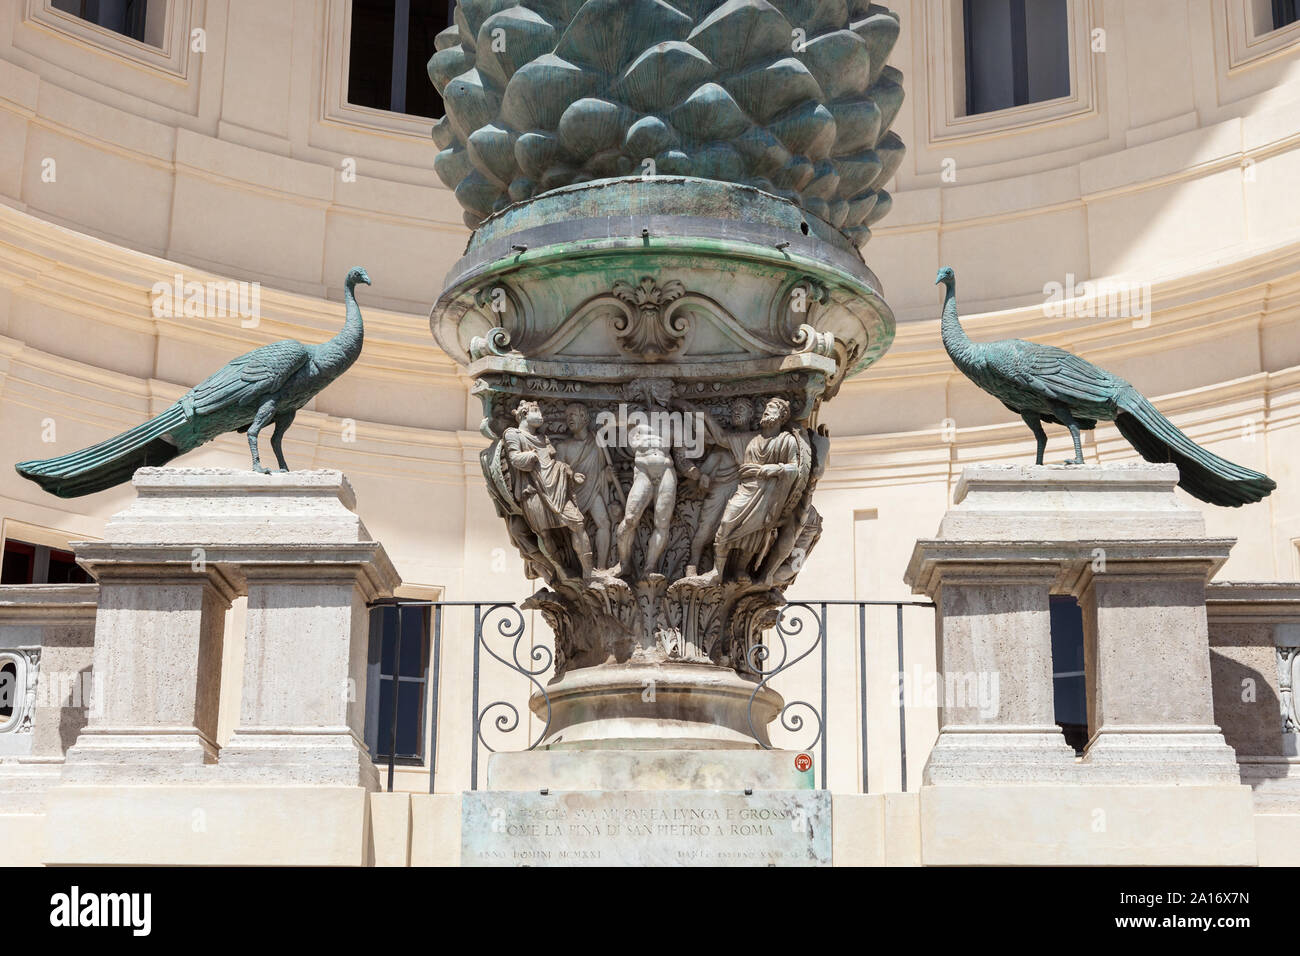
(668, 201)
(1042, 383)
(267, 385)
(792, 97)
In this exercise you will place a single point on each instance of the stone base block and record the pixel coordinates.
(208, 826)
(1275, 782)
(1278, 837)
(647, 770)
(187, 505)
(875, 829)
(1087, 826)
(435, 829)
(646, 828)
(1028, 755)
(23, 785)
(337, 759)
(127, 758)
(22, 839)
(1160, 758)
(390, 828)
(1132, 500)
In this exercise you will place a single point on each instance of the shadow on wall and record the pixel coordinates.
(1246, 707)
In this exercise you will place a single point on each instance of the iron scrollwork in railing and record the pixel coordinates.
(773, 656)
(536, 660)
(764, 661)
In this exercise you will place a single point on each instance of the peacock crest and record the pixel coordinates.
(792, 97)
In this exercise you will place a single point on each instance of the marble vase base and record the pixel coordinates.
(656, 706)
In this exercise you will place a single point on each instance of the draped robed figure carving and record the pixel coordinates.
(545, 486)
(771, 463)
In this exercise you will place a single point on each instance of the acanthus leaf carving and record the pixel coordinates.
(649, 330)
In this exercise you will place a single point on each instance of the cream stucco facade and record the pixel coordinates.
(227, 151)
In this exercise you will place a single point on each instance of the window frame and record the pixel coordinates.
(38, 536)
(335, 107)
(1081, 675)
(429, 695)
(171, 56)
(1250, 43)
(1019, 53)
(151, 22)
(945, 53)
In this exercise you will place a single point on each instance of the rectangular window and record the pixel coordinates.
(1284, 13)
(127, 17)
(1069, 685)
(397, 671)
(25, 563)
(1017, 52)
(390, 44)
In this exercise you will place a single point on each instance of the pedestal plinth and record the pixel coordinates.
(1137, 559)
(146, 773)
(1147, 660)
(159, 629)
(994, 650)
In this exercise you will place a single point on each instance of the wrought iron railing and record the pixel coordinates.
(501, 634)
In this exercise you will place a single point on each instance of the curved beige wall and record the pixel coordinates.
(1172, 166)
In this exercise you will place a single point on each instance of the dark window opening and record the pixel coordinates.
(25, 563)
(126, 17)
(8, 690)
(1017, 52)
(390, 44)
(1068, 683)
(401, 673)
(1284, 13)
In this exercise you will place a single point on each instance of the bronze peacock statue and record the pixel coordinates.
(269, 384)
(1043, 383)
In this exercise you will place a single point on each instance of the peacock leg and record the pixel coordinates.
(264, 415)
(1035, 424)
(282, 423)
(1065, 418)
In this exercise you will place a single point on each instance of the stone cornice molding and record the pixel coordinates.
(110, 283)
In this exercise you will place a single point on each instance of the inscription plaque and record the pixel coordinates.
(646, 828)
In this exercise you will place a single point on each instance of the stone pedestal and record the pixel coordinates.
(157, 661)
(994, 651)
(301, 716)
(1118, 539)
(1147, 659)
(146, 773)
